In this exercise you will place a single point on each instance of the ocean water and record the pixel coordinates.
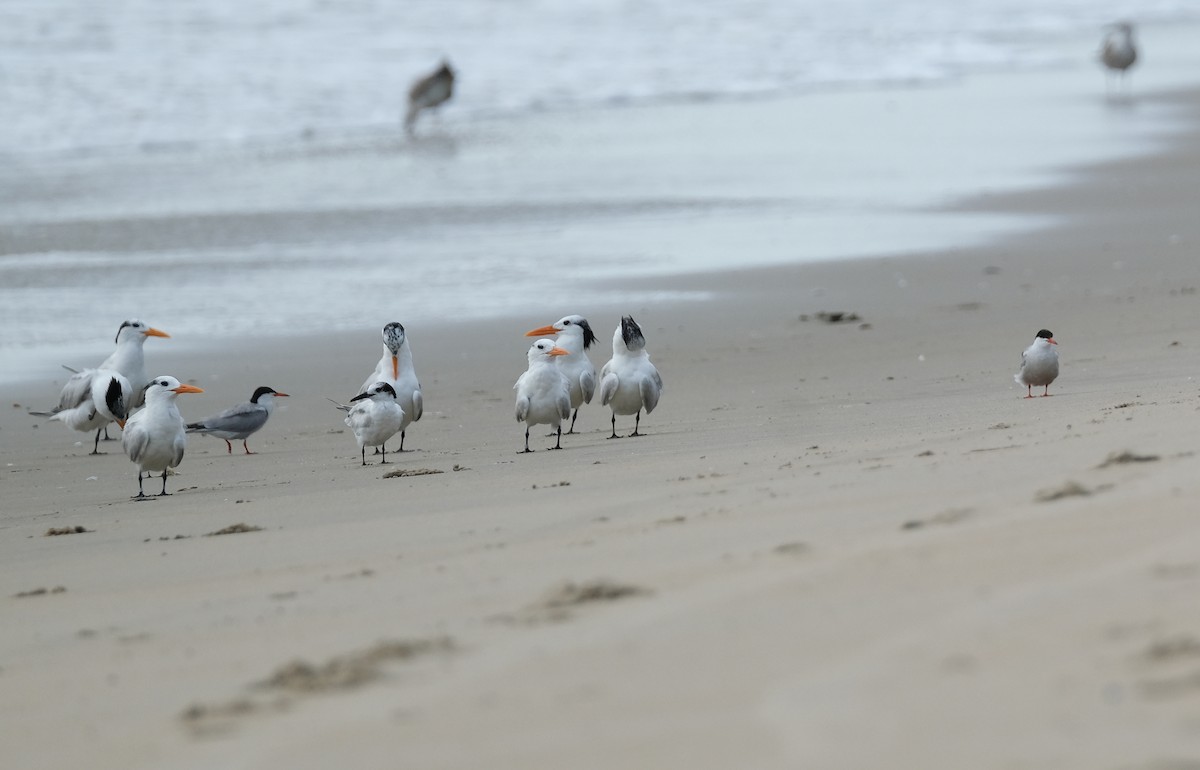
(80, 75)
(221, 169)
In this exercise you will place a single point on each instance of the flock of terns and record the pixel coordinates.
(559, 377)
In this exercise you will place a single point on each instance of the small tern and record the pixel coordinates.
(629, 382)
(241, 421)
(1039, 364)
(573, 334)
(155, 437)
(375, 418)
(543, 393)
(396, 369)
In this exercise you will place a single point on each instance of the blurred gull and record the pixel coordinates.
(428, 93)
(1118, 52)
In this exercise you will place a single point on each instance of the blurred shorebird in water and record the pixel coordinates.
(428, 93)
(1118, 52)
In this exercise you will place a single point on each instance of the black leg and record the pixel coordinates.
(573, 418)
(140, 495)
(526, 439)
(383, 446)
(614, 424)
(558, 444)
(228, 447)
(364, 454)
(636, 422)
(96, 444)
(401, 441)
(163, 493)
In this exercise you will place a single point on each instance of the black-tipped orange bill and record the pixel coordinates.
(395, 368)
(285, 395)
(152, 332)
(557, 351)
(188, 389)
(543, 331)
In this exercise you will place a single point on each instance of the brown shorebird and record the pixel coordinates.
(428, 93)
(1118, 52)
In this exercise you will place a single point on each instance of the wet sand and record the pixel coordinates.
(838, 544)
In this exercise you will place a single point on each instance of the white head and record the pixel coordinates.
(544, 350)
(164, 386)
(571, 329)
(137, 331)
(380, 391)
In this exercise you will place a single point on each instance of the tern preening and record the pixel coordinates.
(573, 334)
(428, 93)
(543, 394)
(375, 417)
(396, 369)
(629, 383)
(155, 437)
(84, 404)
(1039, 364)
(241, 421)
(1118, 52)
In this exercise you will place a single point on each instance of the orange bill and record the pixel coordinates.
(152, 332)
(543, 331)
(557, 351)
(188, 389)
(395, 368)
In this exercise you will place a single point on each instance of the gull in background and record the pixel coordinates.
(428, 93)
(155, 436)
(629, 382)
(375, 418)
(241, 421)
(1118, 52)
(543, 393)
(573, 334)
(87, 403)
(1039, 364)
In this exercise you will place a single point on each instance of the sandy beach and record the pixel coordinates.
(838, 545)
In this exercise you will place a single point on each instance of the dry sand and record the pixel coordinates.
(838, 545)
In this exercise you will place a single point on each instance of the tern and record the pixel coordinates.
(1118, 52)
(396, 369)
(1039, 364)
(155, 437)
(629, 382)
(83, 399)
(375, 418)
(573, 334)
(428, 93)
(92, 399)
(241, 421)
(543, 393)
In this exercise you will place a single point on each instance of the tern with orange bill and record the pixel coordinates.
(543, 394)
(396, 369)
(573, 334)
(155, 437)
(86, 403)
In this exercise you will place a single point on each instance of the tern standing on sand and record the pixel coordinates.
(629, 382)
(84, 401)
(155, 437)
(428, 93)
(239, 422)
(1039, 364)
(543, 394)
(375, 418)
(1118, 51)
(396, 369)
(573, 334)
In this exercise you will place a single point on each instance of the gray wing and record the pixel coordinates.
(76, 391)
(523, 407)
(243, 418)
(134, 441)
(608, 387)
(418, 404)
(178, 447)
(564, 405)
(651, 388)
(587, 384)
